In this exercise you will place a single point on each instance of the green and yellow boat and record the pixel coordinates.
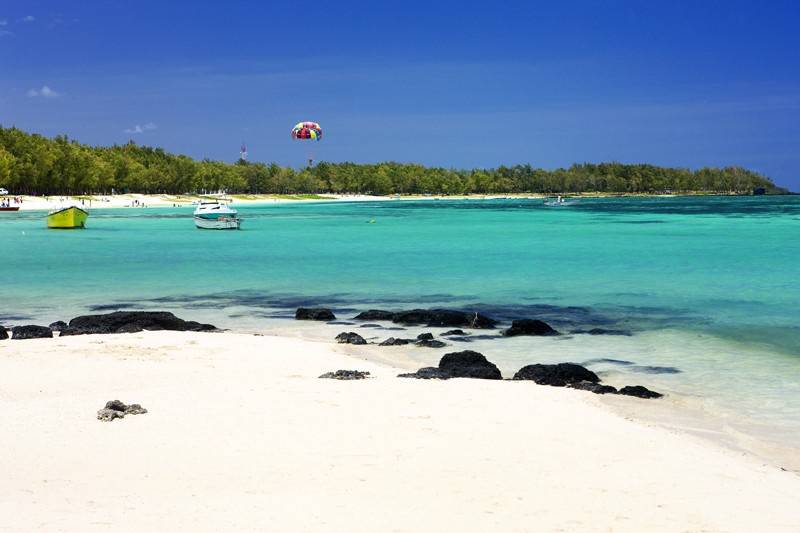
(67, 218)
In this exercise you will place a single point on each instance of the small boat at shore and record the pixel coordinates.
(216, 215)
(71, 217)
(10, 208)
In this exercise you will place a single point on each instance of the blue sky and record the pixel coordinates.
(462, 84)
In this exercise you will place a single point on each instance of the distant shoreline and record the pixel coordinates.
(117, 201)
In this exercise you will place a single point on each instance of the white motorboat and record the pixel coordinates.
(216, 215)
(558, 202)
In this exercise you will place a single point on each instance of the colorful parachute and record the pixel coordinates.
(307, 130)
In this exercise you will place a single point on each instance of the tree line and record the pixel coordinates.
(34, 164)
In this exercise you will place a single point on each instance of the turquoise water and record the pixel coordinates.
(707, 286)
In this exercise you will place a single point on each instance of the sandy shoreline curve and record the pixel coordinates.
(241, 435)
(136, 201)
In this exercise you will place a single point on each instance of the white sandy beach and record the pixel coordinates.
(242, 436)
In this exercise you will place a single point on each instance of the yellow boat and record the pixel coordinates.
(67, 218)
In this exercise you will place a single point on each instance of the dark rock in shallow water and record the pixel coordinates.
(370, 326)
(639, 391)
(469, 364)
(3, 333)
(528, 326)
(596, 388)
(341, 323)
(459, 332)
(602, 331)
(429, 372)
(558, 375)
(345, 375)
(350, 338)
(31, 332)
(374, 314)
(117, 409)
(430, 343)
(314, 313)
(131, 322)
(610, 361)
(59, 325)
(425, 336)
(644, 369)
(392, 341)
(444, 318)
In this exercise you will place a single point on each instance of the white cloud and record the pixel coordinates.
(3, 22)
(29, 18)
(141, 129)
(44, 92)
(4, 33)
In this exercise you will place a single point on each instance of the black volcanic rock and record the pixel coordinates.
(601, 331)
(429, 372)
(425, 337)
(430, 343)
(131, 322)
(3, 333)
(639, 391)
(466, 364)
(528, 326)
(117, 409)
(345, 375)
(444, 318)
(314, 313)
(596, 388)
(59, 325)
(374, 314)
(469, 364)
(31, 332)
(350, 338)
(557, 375)
(392, 341)
(459, 332)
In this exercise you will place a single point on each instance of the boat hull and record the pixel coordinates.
(67, 218)
(217, 223)
(9, 208)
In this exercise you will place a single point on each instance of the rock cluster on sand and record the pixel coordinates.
(577, 377)
(396, 341)
(345, 375)
(131, 322)
(314, 313)
(117, 409)
(430, 343)
(527, 326)
(58, 325)
(466, 364)
(431, 318)
(3, 333)
(558, 375)
(31, 332)
(350, 337)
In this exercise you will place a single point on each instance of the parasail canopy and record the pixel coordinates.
(307, 130)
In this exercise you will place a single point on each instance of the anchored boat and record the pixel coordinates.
(71, 217)
(216, 215)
